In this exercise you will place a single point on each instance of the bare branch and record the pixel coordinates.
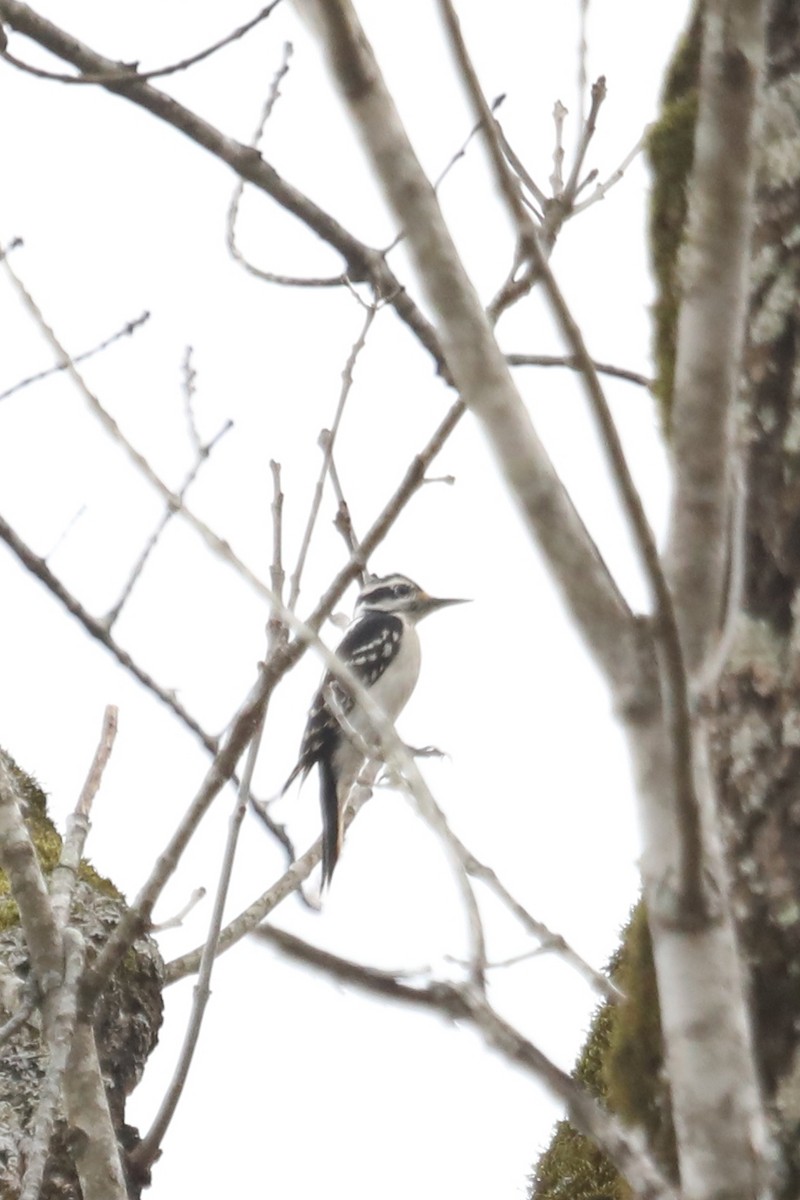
(603, 188)
(714, 270)
(625, 1148)
(87, 1108)
(95, 1148)
(126, 331)
(557, 178)
(252, 916)
(583, 55)
(19, 861)
(149, 1149)
(516, 162)
(175, 922)
(102, 755)
(65, 873)
(203, 453)
(217, 545)
(694, 904)
(548, 941)
(277, 635)
(433, 815)
(277, 573)
(238, 192)
(343, 522)
(448, 167)
(472, 354)
(363, 264)
(240, 731)
(60, 1031)
(97, 629)
(574, 364)
(460, 1003)
(137, 919)
(129, 71)
(189, 389)
(328, 444)
(588, 130)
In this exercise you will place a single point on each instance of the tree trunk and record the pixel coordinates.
(126, 1021)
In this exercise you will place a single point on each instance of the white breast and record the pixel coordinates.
(392, 691)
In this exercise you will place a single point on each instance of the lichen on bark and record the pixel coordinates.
(126, 1020)
(754, 715)
(621, 1063)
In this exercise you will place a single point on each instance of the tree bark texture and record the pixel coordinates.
(126, 1021)
(753, 717)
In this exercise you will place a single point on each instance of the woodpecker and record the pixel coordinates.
(381, 647)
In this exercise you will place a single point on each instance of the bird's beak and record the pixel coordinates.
(428, 604)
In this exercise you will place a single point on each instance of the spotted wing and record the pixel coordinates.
(368, 648)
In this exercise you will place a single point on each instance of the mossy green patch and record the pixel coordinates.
(47, 843)
(621, 1065)
(670, 150)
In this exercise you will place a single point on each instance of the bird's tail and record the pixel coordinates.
(300, 766)
(331, 821)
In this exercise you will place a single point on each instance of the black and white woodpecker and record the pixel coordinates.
(381, 648)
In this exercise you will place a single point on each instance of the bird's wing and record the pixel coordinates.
(370, 645)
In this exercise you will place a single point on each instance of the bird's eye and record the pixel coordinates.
(401, 589)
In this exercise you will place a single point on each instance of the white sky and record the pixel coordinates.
(298, 1085)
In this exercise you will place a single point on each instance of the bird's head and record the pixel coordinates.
(398, 594)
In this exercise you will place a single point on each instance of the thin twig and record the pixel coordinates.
(363, 263)
(573, 364)
(226, 752)
(473, 357)
(65, 873)
(462, 150)
(603, 188)
(232, 218)
(343, 522)
(97, 629)
(126, 331)
(218, 546)
(149, 1149)
(328, 444)
(518, 283)
(203, 453)
(464, 1004)
(289, 883)
(461, 858)
(102, 755)
(277, 574)
(277, 635)
(557, 178)
(549, 941)
(65, 532)
(175, 922)
(238, 735)
(693, 900)
(583, 56)
(448, 167)
(588, 130)
(129, 72)
(189, 390)
(516, 162)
